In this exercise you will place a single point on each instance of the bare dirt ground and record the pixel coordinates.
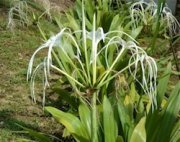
(16, 106)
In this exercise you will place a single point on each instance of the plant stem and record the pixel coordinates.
(94, 50)
(85, 45)
(94, 119)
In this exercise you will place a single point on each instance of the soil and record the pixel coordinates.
(16, 106)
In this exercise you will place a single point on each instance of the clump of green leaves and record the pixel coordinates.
(128, 117)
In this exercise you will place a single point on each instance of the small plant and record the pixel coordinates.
(146, 14)
(18, 14)
(22, 12)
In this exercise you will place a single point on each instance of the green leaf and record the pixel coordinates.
(125, 119)
(23, 140)
(105, 4)
(135, 32)
(106, 20)
(71, 122)
(40, 137)
(85, 116)
(115, 23)
(170, 117)
(139, 132)
(152, 125)
(119, 139)
(66, 133)
(175, 135)
(89, 6)
(72, 22)
(159, 125)
(162, 85)
(176, 40)
(110, 126)
(130, 100)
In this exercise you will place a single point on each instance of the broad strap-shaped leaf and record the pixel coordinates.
(23, 140)
(110, 125)
(40, 137)
(130, 100)
(125, 119)
(90, 9)
(106, 20)
(169, 118)
(175, 134)
(162, 85)
(159, 125)
(85, 116)
(119, 139)
(139, 132)
(73, 22)
(71, 122)
(135, 32)
(105, 4)
(116, 23)
(153, 121)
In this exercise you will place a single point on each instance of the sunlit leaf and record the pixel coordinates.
(71, 122)
(85, 117)
(109, 122)
(163, 82)
(139, 132)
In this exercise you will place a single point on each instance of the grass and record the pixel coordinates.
(16, 107)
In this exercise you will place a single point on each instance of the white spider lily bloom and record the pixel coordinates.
(54, 41)
(99, 35)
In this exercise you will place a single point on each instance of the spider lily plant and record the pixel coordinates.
(146, 13)
(92, 60)
(94, 63)
(20, 13)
